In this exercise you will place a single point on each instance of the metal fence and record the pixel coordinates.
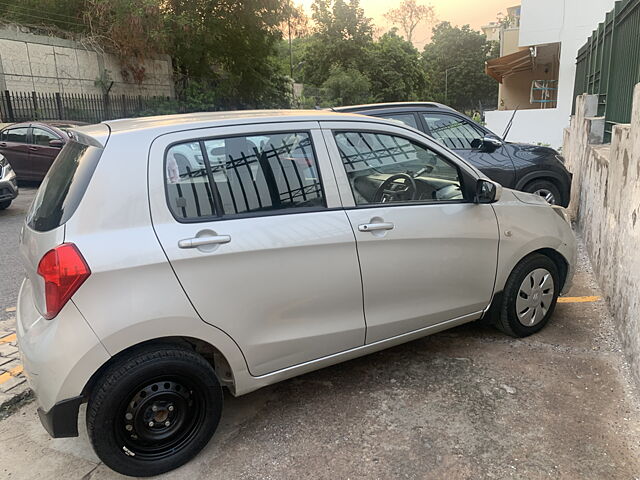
(608, 65)
(26, 106)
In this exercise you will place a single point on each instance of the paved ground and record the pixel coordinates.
(12, 382)
(467, 403)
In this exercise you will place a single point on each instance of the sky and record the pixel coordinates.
(459, 12)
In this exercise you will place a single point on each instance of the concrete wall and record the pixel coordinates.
(606, 205)
(548, 21)
(48, 64)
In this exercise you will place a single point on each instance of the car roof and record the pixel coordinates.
(379, 106)
(213, 119)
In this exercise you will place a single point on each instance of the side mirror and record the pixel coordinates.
(56, 143)
(487, 144)
(487, 191)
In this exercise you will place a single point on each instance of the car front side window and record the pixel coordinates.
(451, 131)
(384, 168)
(43, 137)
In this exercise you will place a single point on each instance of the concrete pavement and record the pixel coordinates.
(466, 403)
(13, 387)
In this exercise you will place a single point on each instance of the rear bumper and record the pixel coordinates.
(61, 420)
(59, 357)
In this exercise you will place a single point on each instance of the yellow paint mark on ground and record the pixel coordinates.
(14, 372)
(8, 339)
(10, 309)
(578, 299)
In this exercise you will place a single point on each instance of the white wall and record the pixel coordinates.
(529, 126)
(570, 22)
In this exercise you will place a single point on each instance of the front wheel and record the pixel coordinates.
(154, 410)
(5, 204)
(529, 296)
(546, 190)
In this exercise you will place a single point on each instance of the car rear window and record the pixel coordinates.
(63, 187)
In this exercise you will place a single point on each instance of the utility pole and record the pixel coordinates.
(293, 86)
(446, 84)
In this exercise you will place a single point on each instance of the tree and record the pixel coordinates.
(463, 52)
(345, 86)
(395, 70)
(229, 45)
(341, 35)
(409, 15)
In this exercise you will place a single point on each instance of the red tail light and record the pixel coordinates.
(63, 270)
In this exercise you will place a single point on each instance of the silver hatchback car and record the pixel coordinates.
(170, 257)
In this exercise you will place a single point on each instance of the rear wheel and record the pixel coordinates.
(545, 189)
(154, 410)
(5, 204)
(530, 296)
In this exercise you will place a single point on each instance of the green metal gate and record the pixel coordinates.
(608, 65)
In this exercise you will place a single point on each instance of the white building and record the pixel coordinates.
(537, 68)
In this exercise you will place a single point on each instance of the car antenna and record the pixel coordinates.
(506, 130)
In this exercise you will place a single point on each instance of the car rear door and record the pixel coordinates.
(424, 260)
(15, 148)
(457, 133)
(41, 154)
(251, 221)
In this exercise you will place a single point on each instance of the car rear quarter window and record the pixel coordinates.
(63, 187)
(258, 174)
(405, 118)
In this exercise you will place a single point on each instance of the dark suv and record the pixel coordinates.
(530, 168)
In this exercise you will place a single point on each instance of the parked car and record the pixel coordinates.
(153, 281)
(32, 147)
(8, 184)
(529, 168)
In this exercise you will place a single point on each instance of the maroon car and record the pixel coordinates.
(31, 147)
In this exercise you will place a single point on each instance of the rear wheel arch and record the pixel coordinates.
(209, 352)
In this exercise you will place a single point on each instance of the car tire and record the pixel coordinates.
(154, 410)
(545, 189)
(529, 297)
(5, 204)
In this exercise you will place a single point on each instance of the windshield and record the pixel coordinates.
(63, 187)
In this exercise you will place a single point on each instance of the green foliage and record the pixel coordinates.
(463, 52)
(394, 69)
(345, 86)
(341, 36)
(232, 43)
(54, 14)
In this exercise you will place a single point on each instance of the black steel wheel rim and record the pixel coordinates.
(160, 417)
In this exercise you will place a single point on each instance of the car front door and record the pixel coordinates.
(458, 133)
(41, 154)
(15, 148)
(251, 221)
(427, 254)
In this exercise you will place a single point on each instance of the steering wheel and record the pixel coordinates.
(391, 190)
